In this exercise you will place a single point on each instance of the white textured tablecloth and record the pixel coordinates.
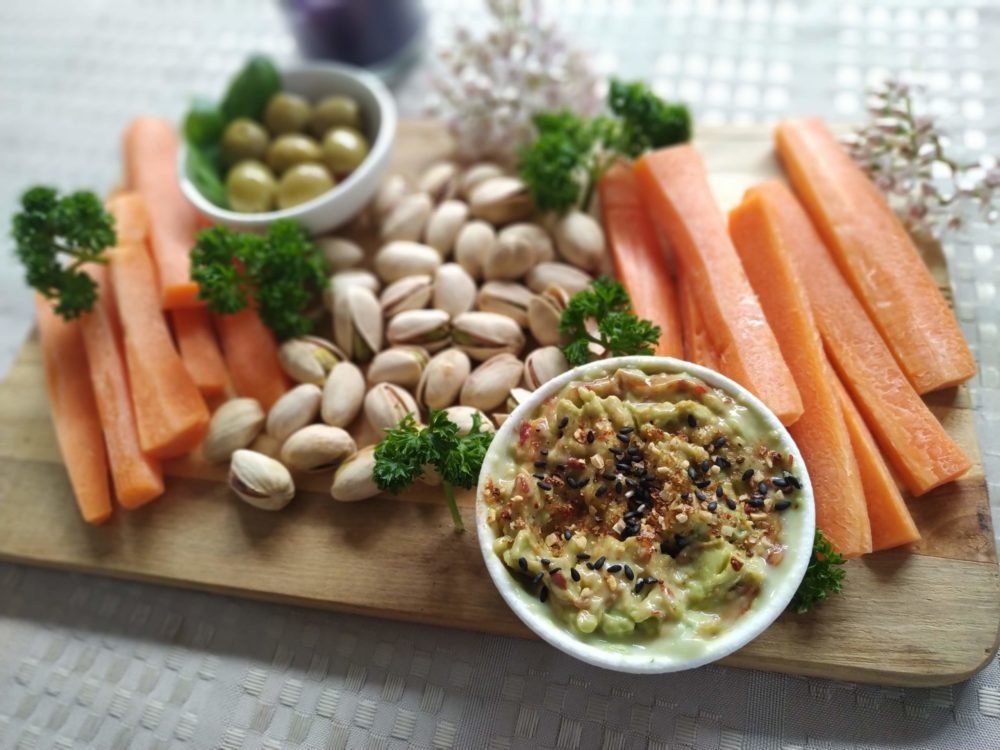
(93, 663)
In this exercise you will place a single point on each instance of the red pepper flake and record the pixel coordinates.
(735, 562)
(559, 579)
(523, 432)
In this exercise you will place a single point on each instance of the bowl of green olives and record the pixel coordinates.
(316, 152)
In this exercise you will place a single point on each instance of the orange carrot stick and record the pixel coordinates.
(640, 264)
(676, 190)
(199, 350)
(151, 148)
(137, 478)
(892, 524)
(916, 445)
(170, 412)
(697, 347)
(74, 412)
(762, 239)
(876, 255)
(251, 354)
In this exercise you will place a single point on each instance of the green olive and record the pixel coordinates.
(250, 187)
(301, 183)
(290, 149)
(332, 111)
(243, 139)
(343, 150)
(287, 113)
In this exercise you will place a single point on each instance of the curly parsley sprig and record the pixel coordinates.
(602, 314)
(408, 449)
(280, 272)
(54, 236)
(824, 576)
(562, 166)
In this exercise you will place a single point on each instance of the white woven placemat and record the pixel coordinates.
(94, 663)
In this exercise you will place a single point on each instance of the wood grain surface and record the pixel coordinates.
(927, 615)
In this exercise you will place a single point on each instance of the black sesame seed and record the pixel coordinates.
(614, 451)
(700, 496)
(545, 562)
(543, 594)
(692, 422)
(756, 502)
(783, 505)
(623, 438)
(575, 574)
(622, 466)
(522, 563)
(590, 436)
(538, 578)
(601, 490)
(762, 488)
(630, 515)
(639, 585)
(544, 486)
(554, 571)
(793, 481)
(614, 568)
(712, 506)
(567, 534)
(626, 430)
(705, 466)
(599, 562)
(719, 442)
(540, 464)
(563, 422)
(718, 491)
(685, 495)
(618, 487)
(730, 503)
(571, 482)
(631, 482)
(628, 572)
(692, 473)
(681, 541)
(779, 482)
(582, 555)
(722, 462)
(609, 476)
(747, 475)
(702, 483)
(539, 476)
(590, 566)
(581, 483)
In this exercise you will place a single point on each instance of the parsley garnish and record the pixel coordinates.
(572, 152)
(602, 314)
(54, 237)
(823, 576)
(280, 271)
(407, 449)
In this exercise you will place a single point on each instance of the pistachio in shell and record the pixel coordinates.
(392, 190)
(580, 240)
(543, 364)
(482, 335)
(474, 242)
(534, 235)
(570, 278)
(427, 328)
(475, 175)
(354, 479)
(357, 323)
(398, 259)
(462, 416)
(402, 365)
(406, 221)
(443, 378)
(294, 410)
(489, 385)
(511, 257)
(544, 313)
(408, 293)
(234, 425)
(454, 289)
(260, 480)
(500, 200)
(317, 447)
(444, 224)
(309, 359)
(440, 180)
(505, 298)
(343, 394)
(386, 404)
(352, 277)
(340, 253)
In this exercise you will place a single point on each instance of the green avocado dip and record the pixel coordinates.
(638, 506)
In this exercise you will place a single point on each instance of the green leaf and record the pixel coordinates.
(204, 123)
(401, 455)
(204, 171)
(823, 577)
(251, 89)
(602, 314)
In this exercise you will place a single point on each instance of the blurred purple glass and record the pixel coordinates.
(367, 33)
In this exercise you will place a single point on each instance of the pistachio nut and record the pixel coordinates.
(266, 444)
(474, 242)
(308, 359)
(439, 180)
(534, 236)
(516, 398)
(462, 416)
(345, 280)
(234, 425)
(357, 323)
(392, 190)
(484, 334)
(499, 417)
(409, 293)
(402, 365)
(386, 404)
(426, 328)
(317, 447)
(355, 477)
(397, 259)
(444, 225)
(544, 313)
(543, 364)
(488, 386)
(500, 200)
(511, 257)
(442, 379)
(570, 278)
(340, 253)
(580, 240)
(343, 393)
(260, 480)
(475, 175)
(505, 298)
(294, 410)
(454, 289)
(407, 219)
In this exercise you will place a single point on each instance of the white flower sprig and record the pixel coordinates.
(491, 86)
(905, 153)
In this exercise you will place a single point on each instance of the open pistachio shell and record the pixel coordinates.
(386, 404)
(406, 220)
(409, 293)
(505, 298)
(357, 323)
(542, 365)
(426, 328)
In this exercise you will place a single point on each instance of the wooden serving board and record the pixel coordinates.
(927, 615)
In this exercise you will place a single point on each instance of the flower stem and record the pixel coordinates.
(456, 517)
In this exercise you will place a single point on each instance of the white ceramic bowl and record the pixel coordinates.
(664, 655)
(338, 205)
